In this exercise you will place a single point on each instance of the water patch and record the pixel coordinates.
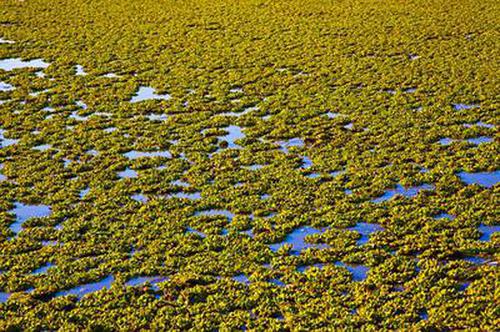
(43, 147)
(43, 269)
(284, 145)
(139, 198)
(359, 272)
(444, 216)
(313, 175)
(349, 126)
(84, 192)
(153, 280)
(2, 177)
(413, 57)
(245, 111)
(194, 231)
(180, 183)
(74, 115)
(110, 130)
(306, 162)
(234, 133)
(241, 278)
(4, 142)
(475, 260)
(253, 167)
(4, 297)
(18, 63)
(128, 173)
(215, 212)
(24, 212)
(304, 268)
(110, 75)
(138, 154)
(82, 290)
(236, 90)
(80, 71)
(459, 107)
(409, 90)
(192, 196)
(332, 115)
(6, 87)
(479, 124)
(147, 93)
(336, 173)
(365, 229)
(81, 104)
(487, 231)
(484, 179)
(157, 117)
(480, 140)
(297, 240)
(400, 190)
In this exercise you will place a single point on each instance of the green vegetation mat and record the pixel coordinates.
(249, 165)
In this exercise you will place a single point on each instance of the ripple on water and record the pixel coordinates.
(18, 63)
(148, 93)
(484, 179)
(24, 212)
(400, 190)
(81, 290)
(297, 239)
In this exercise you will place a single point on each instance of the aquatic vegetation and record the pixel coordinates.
(251, 165)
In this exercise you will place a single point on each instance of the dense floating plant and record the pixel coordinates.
(261, 165)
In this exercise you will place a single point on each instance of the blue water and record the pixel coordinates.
(485, 179)
(43, 147)
(139, 198)
(194, 231)
(180, 194)
(253, 167)
(410, 90)
(147, 93)
(138, 154)
(74, 115)
(42, 269)
(365, 229)
(475, 260)
(313, 175)
(110, 129)
(337, 173)
(4, 142)
(479, 124)
(245, 111)
(234, 133)
(80, 71)
(157, 117)
(304, 268)
(81, 104)
(153, 280)
(284, 145)
(400, 190)
(444, 216)
(460, 107)
(81, 290)
(25, 212)
(265, 196)
(349, 126)
(332, 115)
(128, 174)
(110, 75)
(17, 63)
(359, 272)
(297, 240)
(241, 278)
(215, 212)
(4, 297)
(487, 231)
(446, 141)
(6, 87)
(306, 162)
(480, 140)
(180, 183)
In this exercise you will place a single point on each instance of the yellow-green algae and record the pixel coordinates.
(293, 61)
